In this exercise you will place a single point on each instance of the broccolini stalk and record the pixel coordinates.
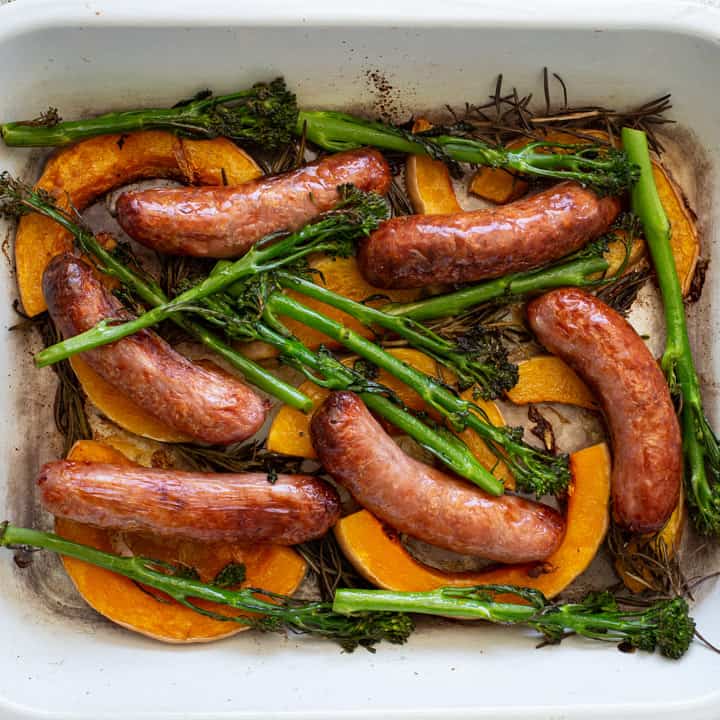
(334, 232)
(534, 470)
(577, 272)
(248, 318)
(278, 614)
(664, 625)
(486, 367)
(264, 114)
(16, 197)
(700, 445)
(366, 617)
(605, 169)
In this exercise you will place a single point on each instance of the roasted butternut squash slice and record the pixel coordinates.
(684, 238)
(80, 174)
(290, 430)
(546, 378)
(270, 567)
(379, 556)
(428, 182)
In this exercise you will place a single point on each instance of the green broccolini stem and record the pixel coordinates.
(534, 470)
(152, 295)
(366, 617)
(263, 114)
(492, 379)
(605, 169)
(334, 232)
(330, 373)
(574, 273)
(700, 446)
(434, 602)
(27, 134)
(665, 625)
(282, 613)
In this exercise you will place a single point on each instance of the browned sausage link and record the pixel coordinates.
(614, 361)
(209, 406)
(221, 222)
(421, 501)
(419, 250)
(206, 507)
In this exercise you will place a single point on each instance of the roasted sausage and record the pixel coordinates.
(207, 507)
(222, 222)
(613, 360)
(424, 502)
(418, 250)
(209, 406)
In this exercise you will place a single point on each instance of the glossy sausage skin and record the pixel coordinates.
(421, 501)
(418, 250)
(207, 507)
(211, 407)
(612, 358)
(222, 222)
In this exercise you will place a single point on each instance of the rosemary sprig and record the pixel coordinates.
(69, 404)
(621, 294)
(330, 566)
(238, 458)
(506, 116)
(648, 561)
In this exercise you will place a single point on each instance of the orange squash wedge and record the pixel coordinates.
(617, 253)
(428, 182)
(684, 238)
(290, 430)
(546, 378)
(379, 556)
(80, 174)
(271, 567)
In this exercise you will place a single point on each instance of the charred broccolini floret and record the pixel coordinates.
(494, 373)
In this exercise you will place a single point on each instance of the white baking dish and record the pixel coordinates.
(55, 660)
